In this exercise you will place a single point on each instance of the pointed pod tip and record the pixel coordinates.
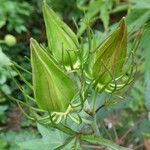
(44, 2)
(44, 6)
(31, 41)
(46, 9)
(123, 23)
(33, 44)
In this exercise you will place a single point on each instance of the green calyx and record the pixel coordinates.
(110, 57)
(53, 89)
(62, 41)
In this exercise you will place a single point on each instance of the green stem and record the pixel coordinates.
(101, 141)
(95, 126)
(94, 102)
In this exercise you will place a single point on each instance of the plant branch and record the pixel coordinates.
(101, 141)
(95, 126)
(92, 146)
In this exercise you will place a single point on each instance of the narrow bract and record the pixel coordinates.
(62, 41)
(53, 89)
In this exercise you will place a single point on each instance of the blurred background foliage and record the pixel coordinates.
(128, 123)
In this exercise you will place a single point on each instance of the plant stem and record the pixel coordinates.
(102, 141)
(94, 102)
(91, 146)
(95, 126)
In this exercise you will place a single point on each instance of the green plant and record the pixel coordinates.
(14, 15)
(68, 77)
(5, 63)
(138, 16)
(5, 76)
(95, 10)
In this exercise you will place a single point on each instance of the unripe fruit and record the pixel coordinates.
(53, 89)
(62, 41)
(111, 57)
(10, 40)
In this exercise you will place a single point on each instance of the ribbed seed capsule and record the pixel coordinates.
(111, 56)
(53, 89)
(62, 41)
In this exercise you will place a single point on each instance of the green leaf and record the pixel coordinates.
(93, 10)
(50, 140)
(13, 139)
(101, 141)
(96, 8)
(137, 18)
(53, 89)
(2, 21)
(105, 16)
(62, 41)
(4, 60)
(145, 45)
(140, 4)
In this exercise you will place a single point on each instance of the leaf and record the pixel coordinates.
(2, 21)
(105, 12)
(50, 140)
(53, 89)
(144, 128)
(4, 60)
(136, 19)
(145, 45)
(93, 9)
(120, 8)
(49, 134)
(62, 41)
(105, 16)
(101, 141)
(3, 144)
(140, 4)
(13, 139)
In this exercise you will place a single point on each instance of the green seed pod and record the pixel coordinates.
(10, 40)
(62, 41)
(111, 56)
(53, 89)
